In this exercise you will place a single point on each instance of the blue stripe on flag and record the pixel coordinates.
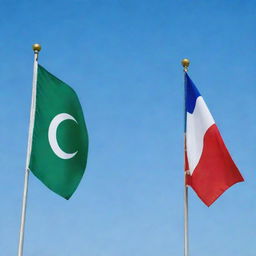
(192, 94)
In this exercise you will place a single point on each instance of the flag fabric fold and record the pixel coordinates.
(210, 168)
(60, 140)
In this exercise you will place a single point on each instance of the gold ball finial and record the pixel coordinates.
(36, 47)
(185, 63)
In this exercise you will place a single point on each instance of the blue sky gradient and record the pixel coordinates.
(123, 60)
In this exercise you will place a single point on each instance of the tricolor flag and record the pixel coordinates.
(209, 166)
(60, 140)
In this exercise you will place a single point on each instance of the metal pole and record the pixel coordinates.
(186, 242)
(185, 64)
(36, 49)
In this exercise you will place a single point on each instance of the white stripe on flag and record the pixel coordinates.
(197, 124)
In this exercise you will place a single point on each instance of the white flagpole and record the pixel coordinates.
(185, 63)
(186, 244)
(36, 49)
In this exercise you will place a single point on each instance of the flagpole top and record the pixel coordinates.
(36, 48)
(185, 63)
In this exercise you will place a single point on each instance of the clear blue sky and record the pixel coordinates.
(123, 59)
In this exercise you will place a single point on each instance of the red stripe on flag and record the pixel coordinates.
(216, 171)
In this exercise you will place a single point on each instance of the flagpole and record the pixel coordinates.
(36, 49)
(185, 63)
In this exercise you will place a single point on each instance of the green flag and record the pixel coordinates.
(60, 140)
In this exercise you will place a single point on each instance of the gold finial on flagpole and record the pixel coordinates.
(185, 63)
(36, 48)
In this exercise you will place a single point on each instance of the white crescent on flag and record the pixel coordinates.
(52, 135)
